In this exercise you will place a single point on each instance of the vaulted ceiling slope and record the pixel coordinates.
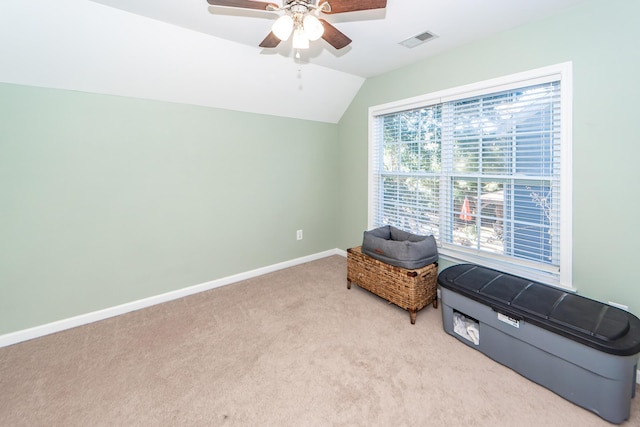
(86, 46)
(188, 52)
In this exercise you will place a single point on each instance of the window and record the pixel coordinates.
(485, 168)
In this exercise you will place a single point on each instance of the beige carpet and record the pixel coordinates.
(294, 347)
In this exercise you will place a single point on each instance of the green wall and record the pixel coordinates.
(106, 200)
(601, 38)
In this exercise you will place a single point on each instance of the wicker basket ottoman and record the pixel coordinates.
(408, 289)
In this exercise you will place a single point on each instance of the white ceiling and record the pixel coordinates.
(376, 34)
(189, 52)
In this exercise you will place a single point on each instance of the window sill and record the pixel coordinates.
(533, 274)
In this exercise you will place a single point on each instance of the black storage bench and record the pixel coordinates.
(582, 349)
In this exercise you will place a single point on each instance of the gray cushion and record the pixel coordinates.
(400, 248)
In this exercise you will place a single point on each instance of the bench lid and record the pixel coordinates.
(598, 325)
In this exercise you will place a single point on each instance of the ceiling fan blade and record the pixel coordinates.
(247, 4)
(333, 36)
(340, 6)
(270, 41)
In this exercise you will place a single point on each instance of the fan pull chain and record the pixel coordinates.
(299, 62)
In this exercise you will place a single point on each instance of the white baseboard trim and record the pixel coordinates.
(83, 319)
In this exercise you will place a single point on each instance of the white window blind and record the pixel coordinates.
(483, 174)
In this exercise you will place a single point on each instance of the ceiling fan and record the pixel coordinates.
(302, 19)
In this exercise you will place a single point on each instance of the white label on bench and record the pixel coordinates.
(509, 320)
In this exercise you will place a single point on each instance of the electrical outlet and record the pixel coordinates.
(299, 235)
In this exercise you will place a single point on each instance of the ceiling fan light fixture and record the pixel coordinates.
(300, 39)
(283, 27)
(302, 18)
(312, 27)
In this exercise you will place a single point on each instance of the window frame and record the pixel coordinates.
(562, 72)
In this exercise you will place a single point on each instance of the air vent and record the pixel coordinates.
(419, 39)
